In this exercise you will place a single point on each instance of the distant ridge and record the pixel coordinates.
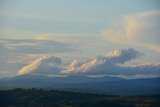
(103, 84)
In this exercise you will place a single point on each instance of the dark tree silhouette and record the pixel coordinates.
(55, 98)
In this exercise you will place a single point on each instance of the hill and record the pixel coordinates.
(54, 98)
(111, 85)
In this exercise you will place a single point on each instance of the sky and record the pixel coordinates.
(85, 37)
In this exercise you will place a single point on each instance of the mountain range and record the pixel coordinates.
(105, 84)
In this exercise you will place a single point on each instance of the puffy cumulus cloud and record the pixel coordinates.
(44, 65)
(100, 63)
(83, 67)
(112, 65)
(122, 55)
(139, 29)
(15, 53)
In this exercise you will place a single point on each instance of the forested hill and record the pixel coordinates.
(54, 98)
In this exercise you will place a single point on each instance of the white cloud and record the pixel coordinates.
(44, 65)
(112, 65)
(16, 53)
(138, 29)
(103, 63)
(122, 55)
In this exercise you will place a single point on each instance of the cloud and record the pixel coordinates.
(112, 65)
(33, 46)
(42, 36)
(15, 53)
(44, 65)
(101, 63)
(122, 55)
(52, 65)
(137, 29)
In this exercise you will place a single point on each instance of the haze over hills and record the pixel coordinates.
(105, 84)
(44, 81)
